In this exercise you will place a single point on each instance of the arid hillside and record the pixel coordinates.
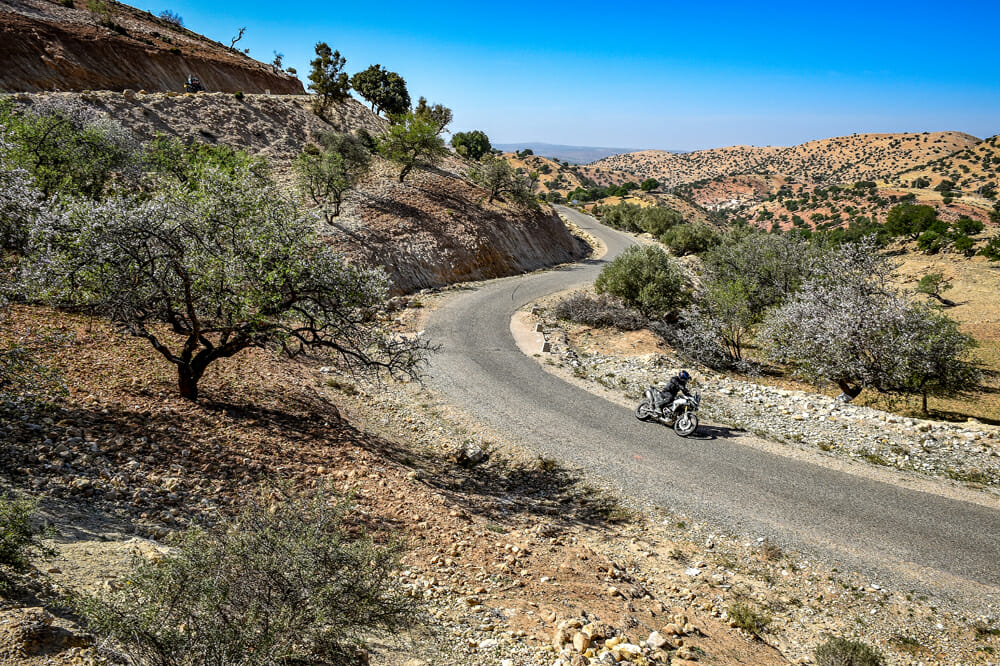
(272, 126)
(837, 160)
(47, 45)
(971, 170)
(434, 229)
(553, 176)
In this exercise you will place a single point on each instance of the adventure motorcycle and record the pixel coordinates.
(680, 413)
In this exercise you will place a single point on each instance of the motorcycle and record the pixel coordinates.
(680, 413)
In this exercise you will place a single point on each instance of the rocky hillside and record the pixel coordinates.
(837, 160)
(435, 229)
(274, 127)
(553, 176)
(62, 45)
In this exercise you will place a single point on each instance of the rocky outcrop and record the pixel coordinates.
(437, 229)
(49, 46)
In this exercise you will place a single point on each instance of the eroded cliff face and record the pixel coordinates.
(438, 229)
(45, 45)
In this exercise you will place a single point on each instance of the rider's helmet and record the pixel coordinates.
(684, 376)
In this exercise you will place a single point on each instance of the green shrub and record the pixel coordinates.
(285, 582)
(689, 239)
(992, 249)
(67, 148)
(846, 652)
(656, 220)
(749, 620)
(964, 244)
(647, 278)
(968, 226)
(238, 95)
(20, 540)
(930, 242)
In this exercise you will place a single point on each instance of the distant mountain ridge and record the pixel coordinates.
(843, 159)
(571, 154)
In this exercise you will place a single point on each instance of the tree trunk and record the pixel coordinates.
(187, 382)
(924, 396)
(851, 392)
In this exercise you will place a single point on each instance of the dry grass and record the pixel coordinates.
(975, 291)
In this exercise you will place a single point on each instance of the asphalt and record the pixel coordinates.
(889, 532)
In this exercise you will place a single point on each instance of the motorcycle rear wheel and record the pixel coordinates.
(686, 424)
(644, 411)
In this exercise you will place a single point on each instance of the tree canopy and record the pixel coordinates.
(326, 172)
(384, 90)
(848, 325)
(499, 178)
(414, 138)
(226, 262)
(66, 148)
(472, 144)
(328, 80)
(912, 220)
(649, 279)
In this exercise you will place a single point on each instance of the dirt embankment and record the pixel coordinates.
(437, 228)
(51, 46)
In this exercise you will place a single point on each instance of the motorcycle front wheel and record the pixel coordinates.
(644, 411)
(686, 424)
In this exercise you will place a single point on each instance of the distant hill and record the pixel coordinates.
(571, 154)
(970, 170)
(838, 160)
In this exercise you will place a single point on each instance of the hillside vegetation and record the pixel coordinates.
(434, 229)
(975, 170)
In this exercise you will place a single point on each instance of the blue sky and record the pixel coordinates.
(653, 75)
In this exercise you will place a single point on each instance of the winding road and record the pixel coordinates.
(893, 533)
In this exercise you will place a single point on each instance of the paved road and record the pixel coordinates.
(884, 529)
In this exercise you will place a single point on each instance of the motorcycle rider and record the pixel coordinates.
(674, 386)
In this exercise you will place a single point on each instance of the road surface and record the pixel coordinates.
(883, 529)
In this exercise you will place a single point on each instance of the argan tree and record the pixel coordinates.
(328, 80)
(848, 325)
(472, 145)
(649, 279)
(384, 90)
(205, 269)
(934, 285)
(326, 172)
(67, 148)
(414, 138)
(440, 116)
(499, 178)
(912, 220)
